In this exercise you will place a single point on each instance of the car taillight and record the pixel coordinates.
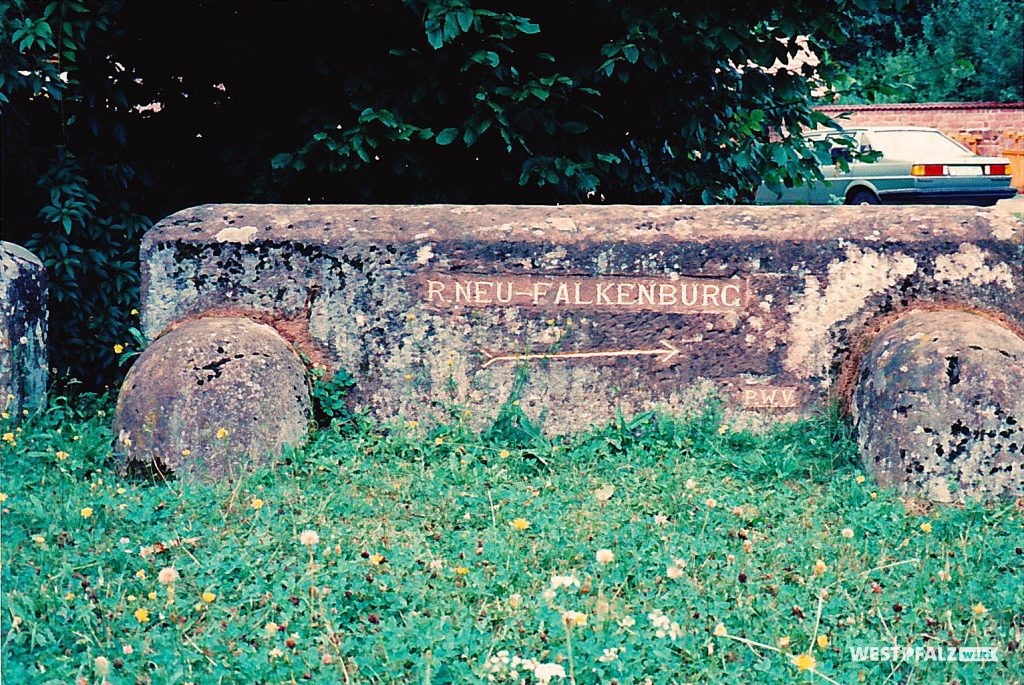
(928, 170)
(997, 169)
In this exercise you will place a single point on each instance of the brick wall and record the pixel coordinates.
(988, 127)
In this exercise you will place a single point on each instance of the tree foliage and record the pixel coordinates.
(965, 51)
(117, 110)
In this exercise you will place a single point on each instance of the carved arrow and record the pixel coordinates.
(667, 352)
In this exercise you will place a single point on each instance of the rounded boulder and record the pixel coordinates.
(212, 399)
(939, 407)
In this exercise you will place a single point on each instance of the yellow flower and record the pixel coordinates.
(874, 495)
(859, 479)
(38, 539)
(257, 503)
(3, 496)
(140, 574)
(152, 595)
(820, 567)
(69, 596)
(9, 438)
(723, 429)
(574, 618)
(783, 642)
(926, 527)
(519, 524)
(461, 570)
(271, 629)
(208, 597)
(142, 615)
(376, 559)
(979, 609)
(822, 641)
(134, 312)
(186, 452)
(222, 433)
(62, 455)
(720, 630)
(86, 512)
(438, 440)
(805, 661)
(504, 454)
(118, 348)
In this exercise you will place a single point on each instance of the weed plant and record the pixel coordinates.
(648, 550)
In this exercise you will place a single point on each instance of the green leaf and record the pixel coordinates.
(465, 19)
(631, 53)
(446, 136)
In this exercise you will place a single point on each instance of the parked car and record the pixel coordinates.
(916, 166)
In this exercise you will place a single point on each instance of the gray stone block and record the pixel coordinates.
(23, 319)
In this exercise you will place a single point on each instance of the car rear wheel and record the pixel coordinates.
(863, 197)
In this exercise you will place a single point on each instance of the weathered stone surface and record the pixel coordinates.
(213, 398)
(607, 308)
(23, 316)
(939, 408)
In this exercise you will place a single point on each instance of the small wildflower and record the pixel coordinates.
(820, 567)
(504, 454)
(327, 659)
(574, 618)
(140, 574)
(309, 538)
(9, 438)
(846, 532)
(102, 666)
(545, 672)
(142, 615)
(783, 642)
(822, 641)
(627, 622)
(605, 556)
(376, 559)
(270, 629)
(690, 484)
(222, 433)
(118, 348)
(926, 527)
(748, 546)
(152, 595)
(558, 581)
(873, 495)
(276, 653)
(859, 479)
(257, 503)
(167, 575)
(660, 519)
(603, 494)
(674, 571)
(515, 600)
(436, 564)
(610, 654)
(711, 502)
(69, 596)
(461, 570)
(186, 452)
(944, 575)
(62, 455)
(134, 312)
(208, 597)
(720, 630)
(805, 661)
(439, 440)
(86, 512)
(38, 539)
(127, 649)
(723, 429)
(520, 524)
(979, 609)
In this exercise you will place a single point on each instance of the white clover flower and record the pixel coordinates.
(605, 556)
(558, 581)
(545, 672)
(609, 655)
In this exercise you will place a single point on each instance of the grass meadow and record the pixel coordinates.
(648, 550)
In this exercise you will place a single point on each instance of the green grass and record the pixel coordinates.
(420, 573)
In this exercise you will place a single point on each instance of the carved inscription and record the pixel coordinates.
(575, 292)
(768, 397)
